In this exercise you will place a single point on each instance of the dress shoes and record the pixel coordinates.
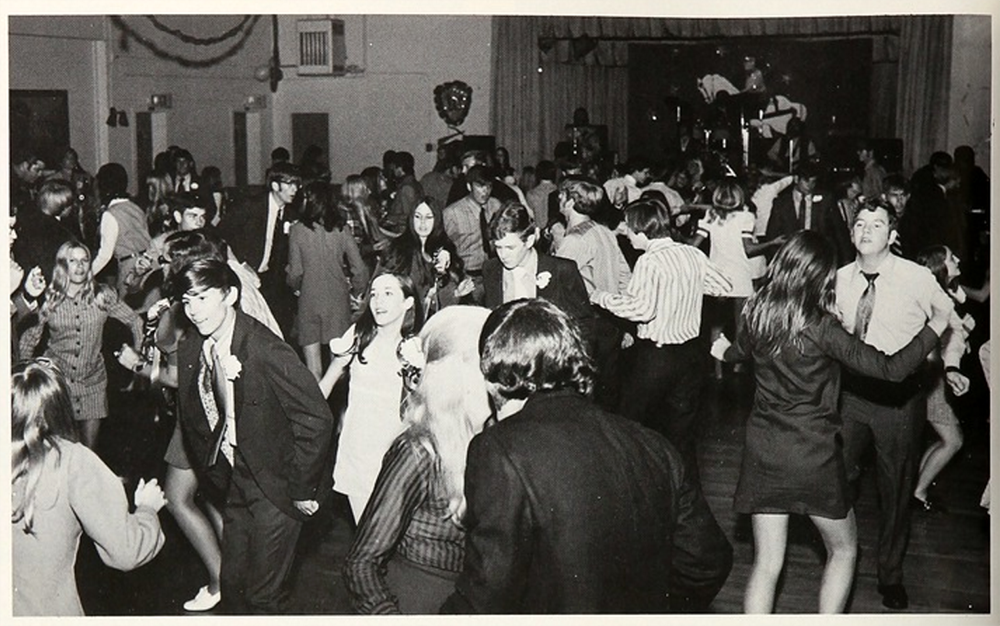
(204, 601)
(894, 596)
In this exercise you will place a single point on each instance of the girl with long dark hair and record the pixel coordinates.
(793, 459)
(325, 267)
(427, 255)
(370, 350)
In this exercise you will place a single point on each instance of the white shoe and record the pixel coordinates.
(204, 601)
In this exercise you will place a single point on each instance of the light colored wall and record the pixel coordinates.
(203, 98)
(969, 103)
(390, 105)
(44, 62)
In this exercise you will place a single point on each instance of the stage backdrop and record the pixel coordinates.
(831, 77)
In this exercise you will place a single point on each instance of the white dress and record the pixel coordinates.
(727, 251)
(372, 419)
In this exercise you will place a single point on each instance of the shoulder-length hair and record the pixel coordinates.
(365, 328)
(934, 258)
(55, 293)
(533, 345)
(441, 413)
(316, 206)
(41, 419)
(797, 292)
(727, 198)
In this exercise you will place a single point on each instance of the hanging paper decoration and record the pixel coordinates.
(452, 101)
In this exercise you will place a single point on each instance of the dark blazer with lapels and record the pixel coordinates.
(785, 221)
(283, 423)
(565, 288)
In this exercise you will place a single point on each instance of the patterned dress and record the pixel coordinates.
(76, 329)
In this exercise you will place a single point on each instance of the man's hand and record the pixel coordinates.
(306, 507)
(958, 382)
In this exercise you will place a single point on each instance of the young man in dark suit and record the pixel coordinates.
(256, 228)
(256, 427)
(572, 509)
(519, 271)
(799, 207)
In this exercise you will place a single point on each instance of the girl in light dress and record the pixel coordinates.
(369, 352)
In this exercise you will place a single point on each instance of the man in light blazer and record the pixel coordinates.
(256, 428)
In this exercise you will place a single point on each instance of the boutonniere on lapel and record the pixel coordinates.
(542, 280)
(817, 197)
(231, 367)
(411, 357)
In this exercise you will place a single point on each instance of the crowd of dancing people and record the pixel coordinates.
(502, 370)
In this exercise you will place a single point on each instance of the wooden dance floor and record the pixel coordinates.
(947, 569)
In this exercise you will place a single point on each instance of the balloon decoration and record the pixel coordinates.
(452, 101)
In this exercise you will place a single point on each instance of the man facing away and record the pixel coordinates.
(256, 427)
(594, 249)
(572, 509)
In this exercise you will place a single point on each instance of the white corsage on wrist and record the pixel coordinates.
(542, 280)
(410, 353)
(231, 367)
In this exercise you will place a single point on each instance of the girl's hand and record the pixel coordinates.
(149, 495)
(442, 261)
(719, 347)
(157, 309)
(465, 287)
(127, 357)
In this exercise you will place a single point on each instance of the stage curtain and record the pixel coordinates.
(517, 111)
(568, 27)
(924, 82)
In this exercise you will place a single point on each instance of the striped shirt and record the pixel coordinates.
(665, 294)
(406, 518)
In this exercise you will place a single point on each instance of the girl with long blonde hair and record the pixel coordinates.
(410, 545)
(74, 311)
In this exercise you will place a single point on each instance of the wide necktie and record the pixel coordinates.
(865, 307)
(212, 393)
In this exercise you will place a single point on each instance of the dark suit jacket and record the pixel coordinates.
(283, 424)
(783, 220)
(245, 228)
(574, 510)
(565, 289)
(838, 233)
(39, 237)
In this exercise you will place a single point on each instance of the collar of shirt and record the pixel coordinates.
(224, 343)
(522, 279)
(884, 268)
(112, 203)
(274, 209)
(662, 244)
